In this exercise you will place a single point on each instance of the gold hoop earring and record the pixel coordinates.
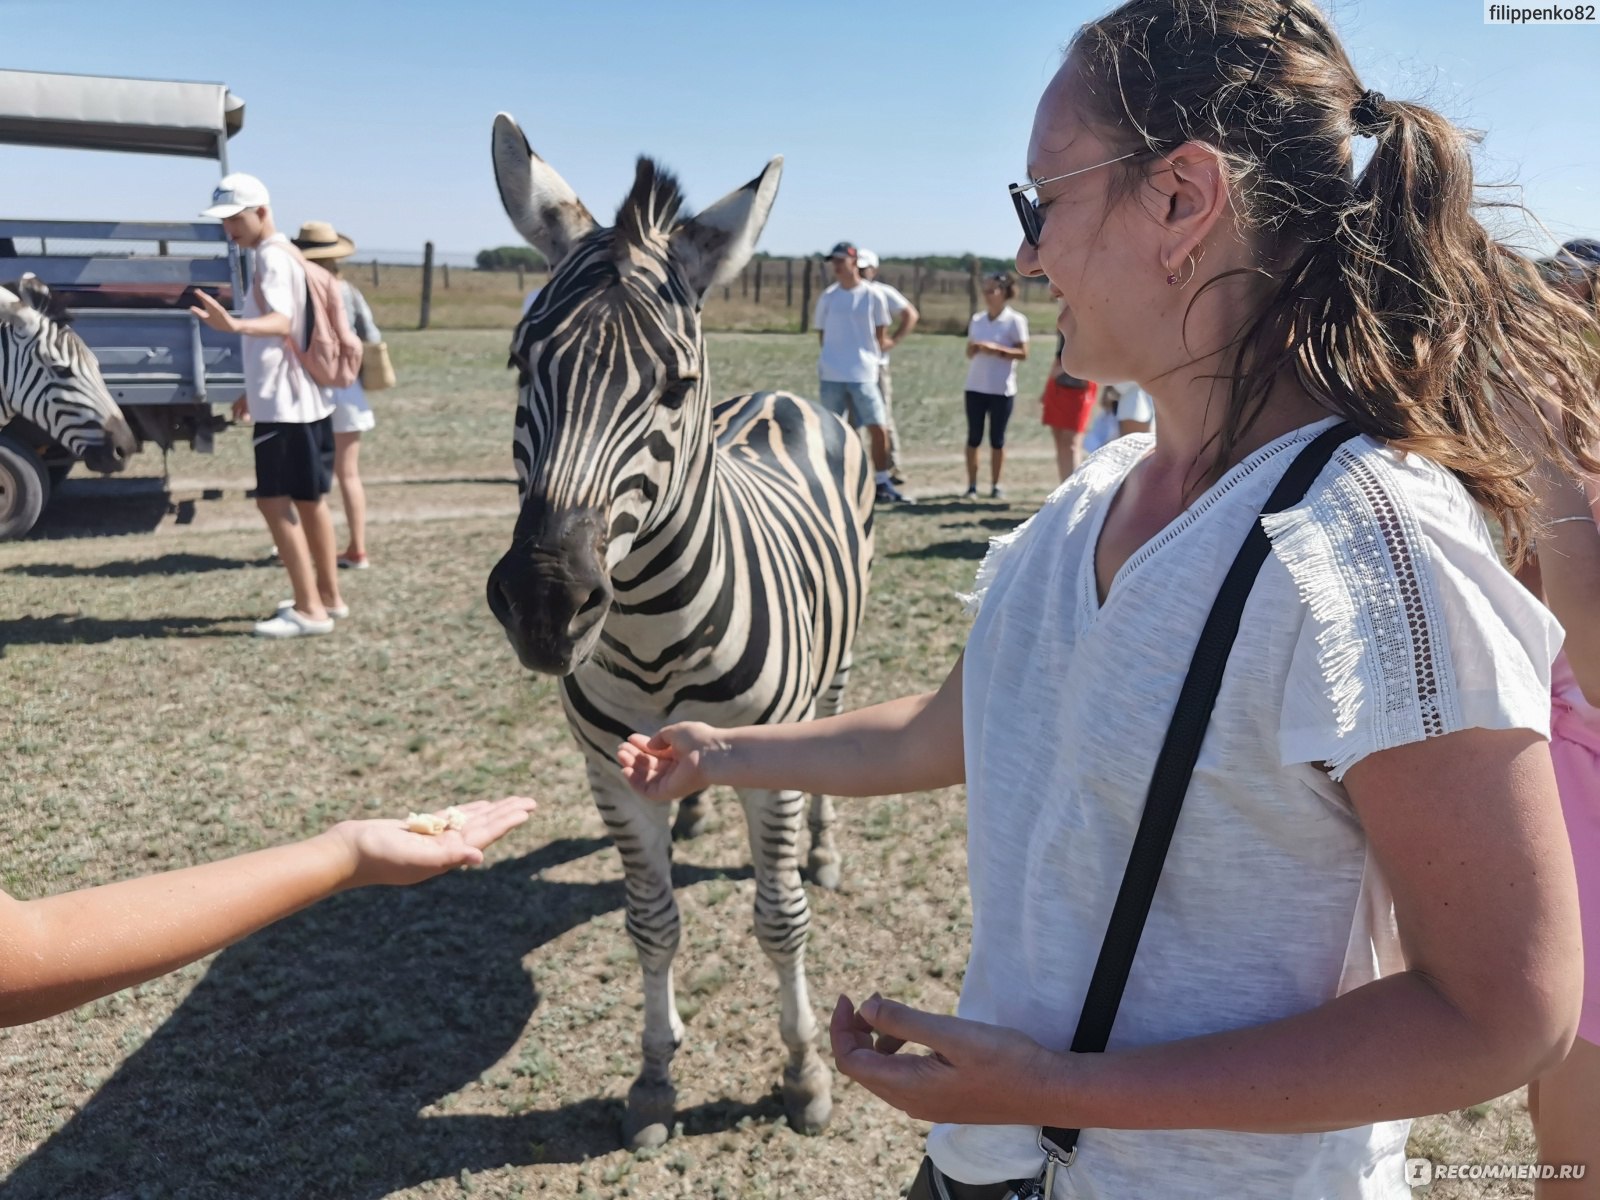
(1172, 276)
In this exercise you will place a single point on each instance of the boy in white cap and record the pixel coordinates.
(292, 415)
(905, 316)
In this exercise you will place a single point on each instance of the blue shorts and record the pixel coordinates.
(858, 403)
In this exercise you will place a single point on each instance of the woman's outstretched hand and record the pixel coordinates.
(976, 1074)
(670, 765)
(385, 851)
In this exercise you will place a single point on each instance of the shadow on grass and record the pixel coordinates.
(299, 1065)
(108, 507)
(968, 548)
(71, 629)
(132, 568)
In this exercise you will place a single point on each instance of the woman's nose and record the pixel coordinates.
(1028, 259)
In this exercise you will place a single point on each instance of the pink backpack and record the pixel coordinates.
(332, 353)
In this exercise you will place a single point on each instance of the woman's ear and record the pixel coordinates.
(1191, 186)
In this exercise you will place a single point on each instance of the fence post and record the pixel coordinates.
(744, 282)
(758, 281)
(805, 299)
(522, 287)
(918, 278)
(972, 283)
(427, 283)
(788, 283)
(374, 272)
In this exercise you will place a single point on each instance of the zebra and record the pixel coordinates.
(676, 560)
(51, 380)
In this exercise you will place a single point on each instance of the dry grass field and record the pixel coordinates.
(473, 1036)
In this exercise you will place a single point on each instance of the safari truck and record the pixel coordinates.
(126, 286)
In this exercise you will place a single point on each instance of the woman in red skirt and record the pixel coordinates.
(1068, 404)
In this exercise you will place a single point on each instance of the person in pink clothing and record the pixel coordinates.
(1564, 572)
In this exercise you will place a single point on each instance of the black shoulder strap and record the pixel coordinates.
(1175, 765)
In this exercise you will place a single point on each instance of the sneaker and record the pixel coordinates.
(290, 624)
(997, 492)
(897, 479)
(971, 493)
(889, 494)
(338, 613)
(354, 564)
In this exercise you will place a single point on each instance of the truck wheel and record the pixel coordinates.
(24, 488)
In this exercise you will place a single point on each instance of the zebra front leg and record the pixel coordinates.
(639, 829)
(824, 865)
(783, 922)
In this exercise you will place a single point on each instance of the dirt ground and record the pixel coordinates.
(475, 1035)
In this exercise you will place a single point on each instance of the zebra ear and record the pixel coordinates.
(14, 310)
(541, 204)
(714, 245)
(34, 292)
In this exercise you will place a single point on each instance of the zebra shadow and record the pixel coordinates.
(299, 1065)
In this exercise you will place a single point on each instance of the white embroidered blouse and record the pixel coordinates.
(1383, 616)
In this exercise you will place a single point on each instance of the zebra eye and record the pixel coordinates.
(675, 395)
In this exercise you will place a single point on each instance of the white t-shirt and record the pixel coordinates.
(988, 373)
(1134, 403)
(276, 385)
(1383, 616)
(894, 300)
(849, 322)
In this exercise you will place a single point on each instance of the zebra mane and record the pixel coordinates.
(55, 308)
(651, 209)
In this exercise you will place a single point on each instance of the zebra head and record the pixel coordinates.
(613, 441)
(50, 378)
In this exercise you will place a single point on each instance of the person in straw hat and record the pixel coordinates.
(352, 415)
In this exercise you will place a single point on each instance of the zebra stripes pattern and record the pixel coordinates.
(50, 379)
(675, 560)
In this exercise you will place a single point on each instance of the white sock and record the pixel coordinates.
(883, 477)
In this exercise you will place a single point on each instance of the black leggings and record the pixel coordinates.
(997, 409)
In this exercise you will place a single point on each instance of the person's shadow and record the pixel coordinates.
(299, 1065)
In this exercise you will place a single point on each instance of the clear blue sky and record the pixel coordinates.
(900, 121)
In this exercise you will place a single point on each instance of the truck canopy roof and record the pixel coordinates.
(99, 112)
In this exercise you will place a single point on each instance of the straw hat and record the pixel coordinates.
(318, 239)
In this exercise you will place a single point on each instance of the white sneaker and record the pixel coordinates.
(338, 614)
(290, 624)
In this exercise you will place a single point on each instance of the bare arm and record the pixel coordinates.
(272, 324)
(882, 332)
(909, 316)
(1468, 831)
(906, 745)
(1569, 563)
(62, 951)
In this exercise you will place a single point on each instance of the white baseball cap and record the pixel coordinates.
(866, 259)
(236, 193)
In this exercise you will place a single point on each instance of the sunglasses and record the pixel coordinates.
(1028, 211)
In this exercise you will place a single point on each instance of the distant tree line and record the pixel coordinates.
(509, 258)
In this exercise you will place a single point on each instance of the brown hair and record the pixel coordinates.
(1007, 282)
(1393, 304)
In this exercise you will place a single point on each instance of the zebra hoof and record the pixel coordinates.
(648, 1121)
(825, 871)
(694, 818)
(808, 1097)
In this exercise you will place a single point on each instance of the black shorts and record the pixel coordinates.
(294, 460)
(997, 409)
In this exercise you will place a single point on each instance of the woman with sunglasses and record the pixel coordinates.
(1367, 911)
(997, 340)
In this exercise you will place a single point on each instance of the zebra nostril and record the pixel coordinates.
(588, 613)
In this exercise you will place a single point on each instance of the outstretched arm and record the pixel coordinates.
(62, 951)
(906, 745)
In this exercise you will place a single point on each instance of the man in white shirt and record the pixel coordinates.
(905, 316)
(852, 321)
(292, 415)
